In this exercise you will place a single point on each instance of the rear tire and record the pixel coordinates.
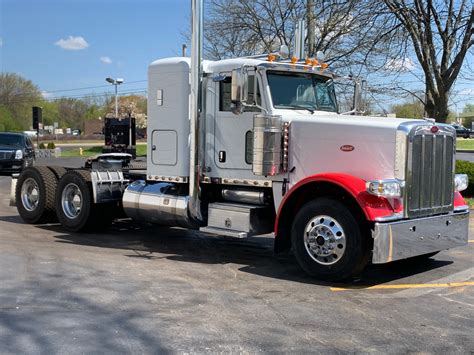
(75, 205)
(58, 171)
(35, 192)
(328, 242)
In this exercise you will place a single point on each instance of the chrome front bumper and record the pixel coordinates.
(405, 239)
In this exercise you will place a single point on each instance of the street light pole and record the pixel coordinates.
(116, 101)
(116, 83)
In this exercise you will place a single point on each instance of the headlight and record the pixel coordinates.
(19, 154)
(385, 188)
(461, 181)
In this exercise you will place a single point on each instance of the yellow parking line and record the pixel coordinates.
(403, 286)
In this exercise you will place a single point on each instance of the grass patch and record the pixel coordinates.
(91, 151)
(470, 202)
(465, 144)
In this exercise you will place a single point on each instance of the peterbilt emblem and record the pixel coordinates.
(347, 148)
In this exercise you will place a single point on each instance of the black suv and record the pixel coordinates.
(16, 152)
(462, 132)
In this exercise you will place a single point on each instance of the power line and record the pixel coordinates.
(82, 88)
(82, 96)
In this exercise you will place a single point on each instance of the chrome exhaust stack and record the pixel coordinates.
(195, 100)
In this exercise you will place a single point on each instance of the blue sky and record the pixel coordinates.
(71, 44)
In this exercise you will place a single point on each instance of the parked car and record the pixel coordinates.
(16, 152)
(462, 132)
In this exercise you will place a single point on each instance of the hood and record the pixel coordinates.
(361, 146)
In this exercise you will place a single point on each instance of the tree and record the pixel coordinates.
(440, 33)
(17, 96)
(7, 123)
(249, 27)
(130, 105)
(413, 109)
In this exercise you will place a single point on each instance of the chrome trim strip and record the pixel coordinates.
(393, 217)
(178, 179)
(461, 208)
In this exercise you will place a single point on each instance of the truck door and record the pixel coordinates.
(233, 133)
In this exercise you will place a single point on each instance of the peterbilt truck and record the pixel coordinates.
(257, 145)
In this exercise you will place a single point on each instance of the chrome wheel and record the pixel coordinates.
(324, 240)
(71, 201)
(30, 194)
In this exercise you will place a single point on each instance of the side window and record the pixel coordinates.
(225, 93)
(28, 142)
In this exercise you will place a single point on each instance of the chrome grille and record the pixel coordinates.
(429, 186)
(6, 154)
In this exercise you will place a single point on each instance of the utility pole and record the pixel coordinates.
(311, 28)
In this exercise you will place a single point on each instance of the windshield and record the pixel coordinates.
(10, 139)
(301, 91)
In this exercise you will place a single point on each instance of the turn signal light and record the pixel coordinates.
(271, 57)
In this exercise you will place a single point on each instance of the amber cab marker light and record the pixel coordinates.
(314, 62)
(324, 66)
(294, 60)
(271, 57)
(307, 61)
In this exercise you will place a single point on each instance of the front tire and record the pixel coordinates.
(328, 242)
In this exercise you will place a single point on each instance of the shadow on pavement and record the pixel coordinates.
(254, 254)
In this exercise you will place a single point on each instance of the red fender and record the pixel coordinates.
(373, 206)
(459, 200)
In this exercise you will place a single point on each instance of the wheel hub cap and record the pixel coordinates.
(71, 201)
(325, 240)
(30, 194)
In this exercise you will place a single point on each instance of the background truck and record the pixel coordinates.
(250, 146)
(120, 136)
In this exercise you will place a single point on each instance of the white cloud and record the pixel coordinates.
(106, 60)
(46, 95)
(403, 64)
(72, 43)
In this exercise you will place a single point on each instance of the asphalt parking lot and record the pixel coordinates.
(147, 289)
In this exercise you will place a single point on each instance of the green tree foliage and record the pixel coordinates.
(7, 122)
(17, 96)
(409, 110)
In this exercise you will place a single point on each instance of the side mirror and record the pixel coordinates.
(359, 90)
(239, 90)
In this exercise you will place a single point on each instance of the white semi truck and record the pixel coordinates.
(251, 146)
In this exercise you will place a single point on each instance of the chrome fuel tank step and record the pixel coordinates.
(238, 220)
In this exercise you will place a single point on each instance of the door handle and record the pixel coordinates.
(153, 147)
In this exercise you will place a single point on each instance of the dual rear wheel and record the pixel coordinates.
(51, 194)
